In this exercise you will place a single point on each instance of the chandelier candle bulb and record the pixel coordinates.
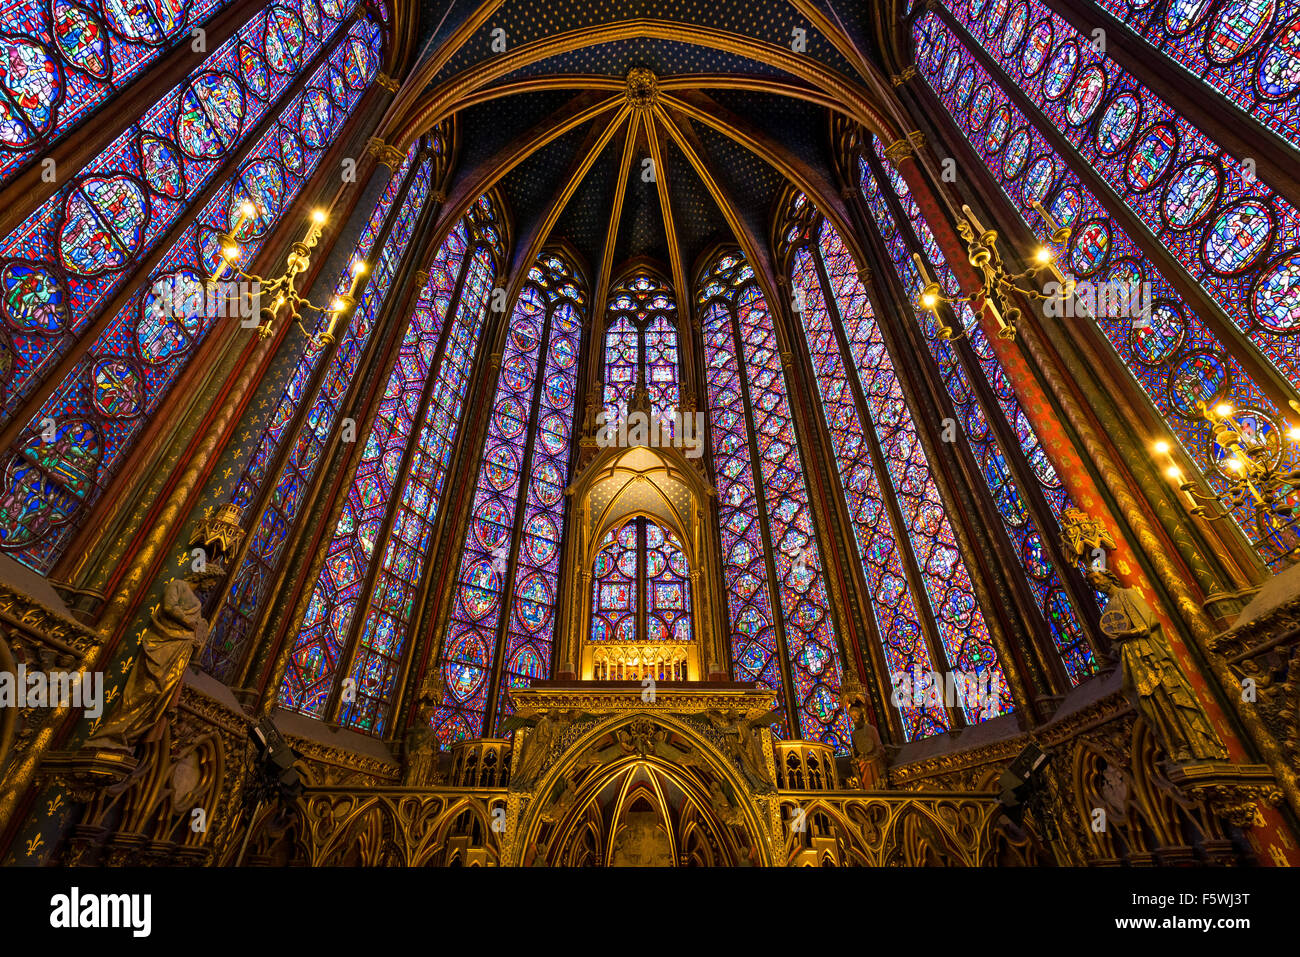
(358, 271)
(1048, 221)
(970, 214)
(920, 267)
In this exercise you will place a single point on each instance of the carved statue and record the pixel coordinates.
(547, 727)
(177, 629)
(1151, 676)
(722, 807)
(868, 751)
(741, 744)
(420, 748)
(556, 811)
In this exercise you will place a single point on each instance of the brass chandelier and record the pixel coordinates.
(283, 289)
(982, 253)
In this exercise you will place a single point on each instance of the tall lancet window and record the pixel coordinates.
(1245, 50)
(1060, 124)
(641, 346)
(640, 602)
(925, 611)
(502, 625)
(782, 633)
(966, 374)
(357, 620)
(279, 504)
(65, 59)
(70, 273)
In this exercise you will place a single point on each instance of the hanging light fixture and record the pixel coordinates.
(998, 285)
(283, 289)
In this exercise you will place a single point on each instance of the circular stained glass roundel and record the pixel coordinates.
(540, 537)
(1190, 193)
(1198, 378)
(1017, 152)
(211, 113)
(1237, 28)
(171, 315)
(998, 126)
(1060, 70)
(980, 106)
(552, 434)
(161, 166)
(150, 23)
(964, 86)
(546, 484)
(950, 68)
(490, 523)
(1038, 181)
(559, 390)
(1036, 47)
(1089, 247)
(533, 609)
(1238, 237)
(1035, 560)
(1151, 157)
(1086, 96)
(103, 222)
(360, 63)
(291, 150)
(317, 118)
(116, 390)
(509, 417)
(262, 183)
(1066, 206)
(1182, 16)
(253, 69)
(501, 464)
(82, 39)
(1275, 300)
(1161, 336)
(993, 22)
(32, 299)
(1277, 74)
(564, 352)
(463, 680)
(284, 39)
(517, 373)
(481, 588)
(1118, 124)
(29, 87)
(1015, 28)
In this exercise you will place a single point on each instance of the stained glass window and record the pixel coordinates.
(69, 259)
(1019, 519)
(1223, 228)
(64, 59)
(406, 193)
(394, 495)
(771, 557)
(641, 345)
(641, 586)
(503, 615)
(840, 327)
(1246, 50)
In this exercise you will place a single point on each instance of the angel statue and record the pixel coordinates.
(742, 744)
(1151, 676)
(547, 727)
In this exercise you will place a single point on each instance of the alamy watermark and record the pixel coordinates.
(929, 689)
(1099, 300)
(184, 297)
(53, 689)
(682, 431)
